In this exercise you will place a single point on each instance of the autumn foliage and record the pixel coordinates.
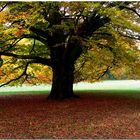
(107, 35)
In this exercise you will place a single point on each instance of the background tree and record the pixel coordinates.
(77, 40)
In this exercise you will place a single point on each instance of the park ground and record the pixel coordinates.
(94, 115)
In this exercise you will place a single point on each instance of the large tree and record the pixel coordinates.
(65, 36)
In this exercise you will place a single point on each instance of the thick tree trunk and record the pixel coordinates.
(63, 76)
(62, 83)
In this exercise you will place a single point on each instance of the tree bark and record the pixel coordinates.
(62, 82)
(63, 75)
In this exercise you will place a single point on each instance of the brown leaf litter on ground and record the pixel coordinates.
(91, 116)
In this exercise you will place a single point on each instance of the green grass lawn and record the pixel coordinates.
(115, 87)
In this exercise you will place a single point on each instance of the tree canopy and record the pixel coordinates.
(93, 39)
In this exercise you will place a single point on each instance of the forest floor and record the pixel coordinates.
(94, 115)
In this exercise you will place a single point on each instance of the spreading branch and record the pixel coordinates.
(32, 49)
(103, 33)
(131, 9)
(10, 46)
(131, 37)
(94, 22)
(16, 40)
(109, 66)
(3, 7)
(41, 35)
(103, 73)
(20, 76)
(78, 17)
(36, 59)
(37, 37)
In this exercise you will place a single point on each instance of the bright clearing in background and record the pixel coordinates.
(104, 85)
